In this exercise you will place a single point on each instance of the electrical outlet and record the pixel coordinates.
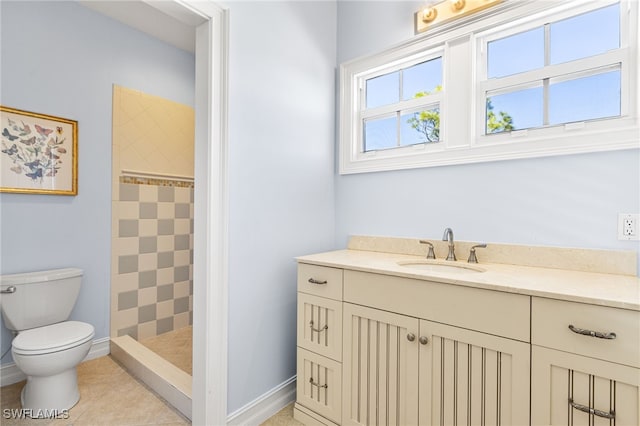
(628, 224)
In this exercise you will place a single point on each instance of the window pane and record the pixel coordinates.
(383, 90)
(587, 98)
(420, 127)
(517, 53)
(585, 35)
(380, 133)
(521, 109)
(424, 77)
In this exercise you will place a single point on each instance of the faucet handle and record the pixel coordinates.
(430, 254)
(472, 253)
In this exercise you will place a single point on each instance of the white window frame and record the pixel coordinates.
(427, 102)
(462, 102)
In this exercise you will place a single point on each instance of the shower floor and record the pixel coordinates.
(174, 346)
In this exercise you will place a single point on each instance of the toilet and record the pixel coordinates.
(47, 347)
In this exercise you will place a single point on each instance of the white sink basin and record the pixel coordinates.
(445, 268)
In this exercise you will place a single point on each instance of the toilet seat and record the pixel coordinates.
(52, 338)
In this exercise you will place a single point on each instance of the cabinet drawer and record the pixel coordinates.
(320, 280)
(319, 384)
(493, 312)
(550, 328)
(320, 325)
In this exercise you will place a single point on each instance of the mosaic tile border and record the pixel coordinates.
(156, 181)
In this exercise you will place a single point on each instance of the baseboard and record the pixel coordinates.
(10, 373)
(265, 406)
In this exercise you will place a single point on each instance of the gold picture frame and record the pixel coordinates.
(39, 153)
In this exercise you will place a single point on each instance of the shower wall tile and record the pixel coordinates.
(164, 309)
(183, 195)
(147, 262)
(166, 210)
(147, 329)
(164, 325)
(148, 227)
(146, 313)
(166, 226)
(148, 193)
(166, 193)
(182, 242)
(182, 257)
(165, 292)
(148, 244)
(128, 228)
(148, 210)
(147, 279)
(148, 296)
(165, 259)
(127, 300)
(153, 259)
(181, 320)
(129, 192)
(127, 264)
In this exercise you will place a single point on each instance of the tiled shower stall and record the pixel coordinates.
(152, 277)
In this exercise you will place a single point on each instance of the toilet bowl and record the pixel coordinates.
(48, 356)
(47, 347)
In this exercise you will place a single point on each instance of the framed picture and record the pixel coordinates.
(39, 153)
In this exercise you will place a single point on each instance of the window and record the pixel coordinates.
(402, 107)
(532, 79)
(556, 73)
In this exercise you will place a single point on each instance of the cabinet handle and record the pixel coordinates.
(423, 340)
(9, 290)
(598, 334)
(411, 337)
(313, 281)
(326, 386)
(605, 414)
(318, 330)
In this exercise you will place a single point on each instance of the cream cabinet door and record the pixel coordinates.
(380, 367)
(569, 389)
(471, 378)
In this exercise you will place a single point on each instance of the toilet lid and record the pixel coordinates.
(52, 338)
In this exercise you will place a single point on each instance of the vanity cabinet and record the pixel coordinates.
(403, 370)
(585, 364)
(319, 354)
(377, 348)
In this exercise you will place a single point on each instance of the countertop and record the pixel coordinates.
(618, 291)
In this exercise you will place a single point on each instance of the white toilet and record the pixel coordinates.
(47, 348)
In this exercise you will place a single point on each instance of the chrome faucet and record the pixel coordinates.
(448, 235)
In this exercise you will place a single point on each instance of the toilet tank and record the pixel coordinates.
(40, 298)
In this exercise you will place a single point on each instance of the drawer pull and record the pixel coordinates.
(325, 386)
(598, 334)
(604, 414)
(318, 330)
(318, 282)
(9, 290)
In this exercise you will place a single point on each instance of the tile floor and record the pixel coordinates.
(174, 346)
(110, 396)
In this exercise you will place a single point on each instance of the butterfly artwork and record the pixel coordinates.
(11, 151)
(29, 141)
(37, 153)
(37, 174)
(42, 131)
(8, 135)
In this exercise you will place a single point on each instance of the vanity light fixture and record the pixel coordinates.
(445, 11)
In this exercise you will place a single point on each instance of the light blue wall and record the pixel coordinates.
(281, 140)
(560, 201)
(62, 59)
